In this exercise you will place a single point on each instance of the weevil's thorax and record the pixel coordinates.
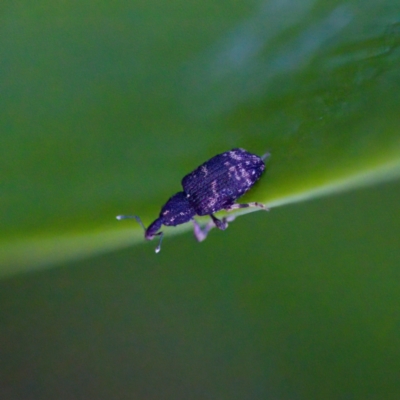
(177, 210)
(220, 181)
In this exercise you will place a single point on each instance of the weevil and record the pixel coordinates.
(211, 187)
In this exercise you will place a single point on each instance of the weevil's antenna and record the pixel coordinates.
(265, 156)
(161, 234)
(140, 222)
(158, 248)
(119, 217)
(124, 216)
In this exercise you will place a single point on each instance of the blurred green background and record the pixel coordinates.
(105, 106)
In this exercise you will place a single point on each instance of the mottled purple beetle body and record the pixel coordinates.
(213, 186)
(220, 181)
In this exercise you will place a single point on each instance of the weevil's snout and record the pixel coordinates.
(152, 230)
(149, 235)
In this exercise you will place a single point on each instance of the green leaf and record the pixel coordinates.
(106, 107)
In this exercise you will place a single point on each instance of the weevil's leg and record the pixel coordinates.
(199, 233)
(222, 223)
(229, 218)
(253, 204)
(219, 223)
(265, 156)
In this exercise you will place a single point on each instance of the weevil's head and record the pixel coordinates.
(177, 210)
(151, 231)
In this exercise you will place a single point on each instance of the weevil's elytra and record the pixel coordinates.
(211, 187)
